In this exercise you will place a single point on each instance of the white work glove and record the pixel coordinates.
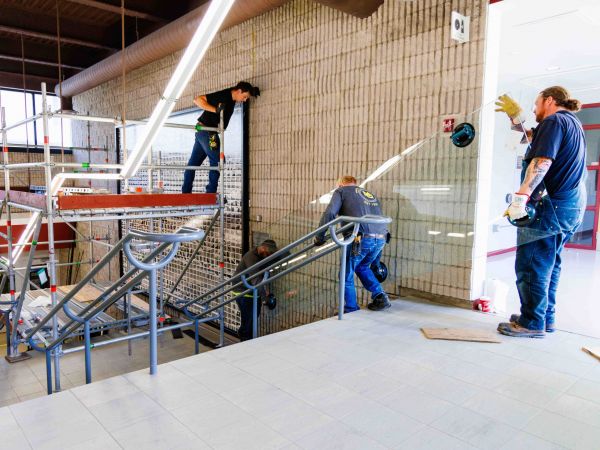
(516, 210)
(512, 109)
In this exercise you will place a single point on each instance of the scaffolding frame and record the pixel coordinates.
(50, 212)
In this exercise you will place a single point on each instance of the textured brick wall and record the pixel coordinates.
(22, 179)
(343, 95)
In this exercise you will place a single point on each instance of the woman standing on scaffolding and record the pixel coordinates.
(207, 143)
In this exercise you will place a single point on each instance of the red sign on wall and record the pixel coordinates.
(448, 125)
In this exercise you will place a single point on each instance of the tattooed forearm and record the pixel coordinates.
(536, 171)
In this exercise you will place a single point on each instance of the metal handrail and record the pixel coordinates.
(83, 314)
(278, 260)
(184, 234)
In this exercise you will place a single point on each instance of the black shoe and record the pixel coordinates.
(380, 302)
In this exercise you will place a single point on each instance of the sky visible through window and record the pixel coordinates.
(20, 105)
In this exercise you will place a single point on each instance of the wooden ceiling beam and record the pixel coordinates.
(52, 37)
(117, 10)
(14, 80)
(39, 62)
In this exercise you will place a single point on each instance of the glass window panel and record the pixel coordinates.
(17, 106)
(589, 116)
(59, 129)
(593, 146)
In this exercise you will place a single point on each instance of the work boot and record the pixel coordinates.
(516, 330)
(549, 326)
(380, 302)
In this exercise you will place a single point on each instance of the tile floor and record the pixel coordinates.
(371, 381)
(577, 310)
(27, 379)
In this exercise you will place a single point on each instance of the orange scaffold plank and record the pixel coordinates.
(98, 201)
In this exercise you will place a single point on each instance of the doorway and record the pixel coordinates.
(542, 43)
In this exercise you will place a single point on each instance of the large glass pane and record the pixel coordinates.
(429, 190)
(584, 234)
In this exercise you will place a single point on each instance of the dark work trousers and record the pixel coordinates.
(245, 305)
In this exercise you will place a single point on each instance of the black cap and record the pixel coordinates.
(270, 245)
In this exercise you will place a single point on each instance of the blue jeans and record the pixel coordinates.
(200, 151)
(361, 265)
(538, 261)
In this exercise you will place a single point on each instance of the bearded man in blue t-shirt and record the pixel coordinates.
(553, 166)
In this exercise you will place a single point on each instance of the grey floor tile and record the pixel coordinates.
(527, 391)
(122, 411)
(144, 381)
(382, 424)
(416, 404)
(24, 398)
(393, 367)
(30, 388)
(447, 388)
(7, 420)
(248, 433)
(338, 436)
(589, 440)
(103, 391)
(15, 439)
(100, 442)
(432, 439)
(474, 374)
(370, 384)
(296, 420)
(334, 400)
(526, 441)
(488, 359)
(7, 392)
(49, 411)
(556, 380)
(503, 409)
(158, 432)
(559, 429)
(576, 408)
(204, 417)
(476, 429)
(338, 369)
(263, 402)
(72, 435)
(587, 390)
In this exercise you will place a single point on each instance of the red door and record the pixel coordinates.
(585, 237)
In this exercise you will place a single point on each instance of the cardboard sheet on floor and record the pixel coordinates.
(595, 352)
(85, 295)
(90, 293)
(461, 334)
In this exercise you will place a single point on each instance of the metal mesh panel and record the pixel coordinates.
(173, 147)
